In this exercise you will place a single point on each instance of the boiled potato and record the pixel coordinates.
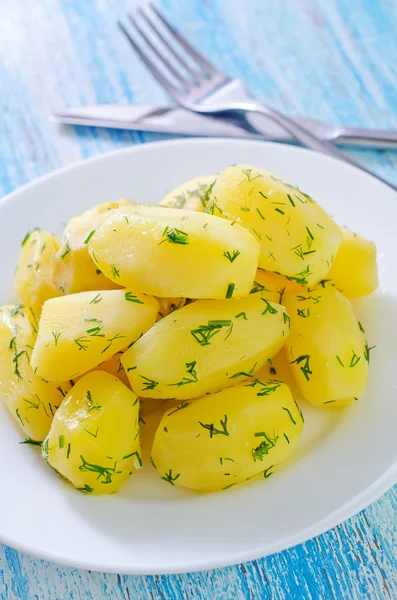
(191, 254)
(80, 331)
(192, 195)
(75, 271)
(150, 405)
(205, 346)
(297, 237)
(35, 272)
(326, 348)
(94, 437)
(354, 270)
(114, 367)
(279, 369)
(223, 439)
(168, 305)
(31, 400)
(273, 286)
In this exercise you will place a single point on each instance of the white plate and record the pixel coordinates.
(346, 458)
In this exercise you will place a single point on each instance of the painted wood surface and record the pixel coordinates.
(330, 59)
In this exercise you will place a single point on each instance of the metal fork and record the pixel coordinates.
(195, 84)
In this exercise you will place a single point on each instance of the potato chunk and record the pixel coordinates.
(75, 271)
(31, 400)
(94, 437)
(223, 439)
(205, 346)
(354, 270)
(175, 253)
(192, 195)
(273, 286)
(114, 367)
(80, 331)
(35, 272)
(326, 348)
(297, 237)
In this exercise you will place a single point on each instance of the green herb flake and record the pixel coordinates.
(289, 414)
(204, 333)
(97, 299)
(131, 298)
(367, 350)
(305, 368)
(61, 441)
(169, 478)
(66, 251)
(267, 472)
(290, 199)
(56, 337)
(230, 290)
(269, 308)
(265, 446)
(243, 315)
(149, 384)
(89, 236)
(115, 271)
(214, 430)
(86, 489)
(192, 375)
(184, 404)
(138, 457)
(175, 236)
(231, 255)
(30, 441)
(104, 473)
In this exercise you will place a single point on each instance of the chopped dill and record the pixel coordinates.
(89, 236)
(214, 430)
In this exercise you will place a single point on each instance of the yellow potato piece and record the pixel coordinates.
(35, 271)
(223, 439)
(205, 346)
(114, 367)
(326, 348)
(94, 437)
(31, 400)
(168, 305)
(150, 405)
(354, 270)
(273, 286)
(279, 369)
(297, 237)
(192, 195)
(80, 331)
(170, 253)
(74, 270)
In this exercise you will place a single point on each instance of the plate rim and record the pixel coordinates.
(368, 495)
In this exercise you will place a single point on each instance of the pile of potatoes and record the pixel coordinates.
(208, 307)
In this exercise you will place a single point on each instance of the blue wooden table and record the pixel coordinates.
(329, 59)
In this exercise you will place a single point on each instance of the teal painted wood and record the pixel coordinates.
(330, 59)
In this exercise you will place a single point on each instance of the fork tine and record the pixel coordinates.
(149, 63)
(207, 68)
(180, 78)
(148, 19)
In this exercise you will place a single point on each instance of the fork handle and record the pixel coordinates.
(310, 140)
